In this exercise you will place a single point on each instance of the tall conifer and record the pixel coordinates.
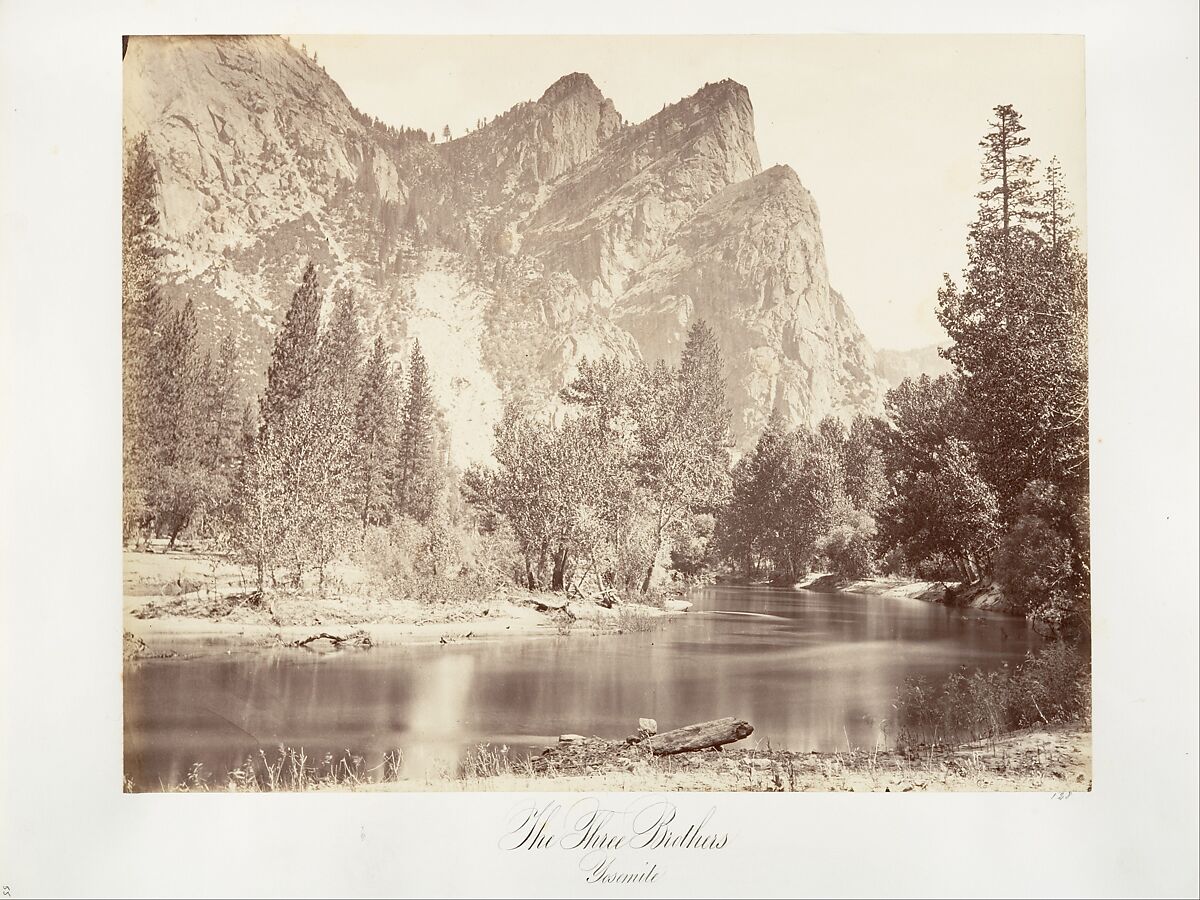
(376, 427)
(294, 357)
(416, 464)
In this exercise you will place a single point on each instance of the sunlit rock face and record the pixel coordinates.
(555, 232)
(751, 263)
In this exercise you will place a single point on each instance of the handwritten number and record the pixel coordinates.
(7, 891)
(1061, 795)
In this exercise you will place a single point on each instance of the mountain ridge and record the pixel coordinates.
(555, 231)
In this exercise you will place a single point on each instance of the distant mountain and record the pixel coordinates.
(896, 365)
(554, 232)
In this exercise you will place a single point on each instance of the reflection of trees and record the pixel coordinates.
(828, 670)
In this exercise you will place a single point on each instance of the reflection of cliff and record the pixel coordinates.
(433, 739)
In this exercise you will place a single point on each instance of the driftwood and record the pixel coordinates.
(606, 597)
(700, 736)
(546, 604)
(356, 638)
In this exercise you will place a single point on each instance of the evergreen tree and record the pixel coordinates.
(293, 365)
(222, 422)
(1054, 209)
(415, 485)
(143, 320)
(1007, 173)
(177, 380)
(293, 486)
(376, 425)
(1019, 325)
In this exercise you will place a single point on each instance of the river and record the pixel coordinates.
(810, 671)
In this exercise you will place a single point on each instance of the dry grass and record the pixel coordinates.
(1057, 759)
(291, 769)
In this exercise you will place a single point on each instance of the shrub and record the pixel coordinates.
(937, 567)
(436, 562)
(1033, 562)
(849, 546)
(1051, 685)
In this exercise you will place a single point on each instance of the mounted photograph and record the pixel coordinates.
(605, 413)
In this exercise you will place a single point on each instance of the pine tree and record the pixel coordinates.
(1055, 214)
(340, 356)
(747, 529)
(1019, 326)
(415, 483)
(143, 320)
(1007, 172)
(222, 423)
(178, 378)
(293, 365)
(294, 483)
(376, 426)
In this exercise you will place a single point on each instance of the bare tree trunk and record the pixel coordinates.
(560, 568)
(653, 560)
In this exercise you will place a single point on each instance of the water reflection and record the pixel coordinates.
(810, 671)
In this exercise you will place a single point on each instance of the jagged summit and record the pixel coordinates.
(569, 84)
(724, 87)
(552, 233)
(782, 173)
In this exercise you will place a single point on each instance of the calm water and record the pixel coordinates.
(808, 670)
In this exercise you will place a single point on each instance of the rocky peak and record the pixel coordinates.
(508, 159)
(611, 215)
(575, 82)
(775, 196)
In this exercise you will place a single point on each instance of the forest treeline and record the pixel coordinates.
(981, 474)
(341, 440)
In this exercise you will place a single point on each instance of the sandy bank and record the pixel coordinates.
(172, 598)
(984, 595)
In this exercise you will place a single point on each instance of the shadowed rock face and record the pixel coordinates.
(554, 232)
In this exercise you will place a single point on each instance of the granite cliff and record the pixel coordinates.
(554, 232)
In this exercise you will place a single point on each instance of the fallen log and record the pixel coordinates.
(356, 638)
(700, 736)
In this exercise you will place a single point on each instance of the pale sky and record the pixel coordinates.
(883, 130)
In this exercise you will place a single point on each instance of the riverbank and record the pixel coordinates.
(173, 597)
(1045, 759)
(983, 595)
